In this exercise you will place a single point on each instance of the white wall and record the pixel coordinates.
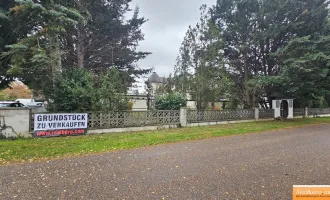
(38, 109)
(192, 104)
(277, 108)
(139, 105)
(155, 87)
(18, 119)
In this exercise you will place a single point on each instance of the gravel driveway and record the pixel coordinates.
(253, 166)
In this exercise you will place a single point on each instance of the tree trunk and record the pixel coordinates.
(55, 55)
(246, 79)
(70, 60)
(80, 49)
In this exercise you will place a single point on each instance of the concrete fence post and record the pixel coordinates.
(306, 112)
(183, 117)
(256, 114)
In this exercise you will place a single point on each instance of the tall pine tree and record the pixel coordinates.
(253, 31)
(199, 64)
(106, 39)
(36, 57)
(7, 36)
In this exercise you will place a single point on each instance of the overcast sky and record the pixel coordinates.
(165, 30)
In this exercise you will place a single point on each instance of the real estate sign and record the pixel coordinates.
(52, 125)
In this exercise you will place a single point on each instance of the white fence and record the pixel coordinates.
(195, 116)
(133, 118)
(125, 119)
(21, 121)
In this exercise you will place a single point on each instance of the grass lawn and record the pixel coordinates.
(22, 150)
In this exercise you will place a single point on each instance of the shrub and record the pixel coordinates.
(170, 101)
(111, 92)
(5, 97)
(73, 92)
(79, 91)
(130, 105)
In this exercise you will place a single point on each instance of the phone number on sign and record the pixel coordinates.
(61, 132)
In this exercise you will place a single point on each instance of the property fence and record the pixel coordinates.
(194, 116)
(133, 119)
(299, 112)
(266, 113)
(101, 120)
(302, 112)
(318, 111)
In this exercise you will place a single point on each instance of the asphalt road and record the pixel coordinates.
(253, 166)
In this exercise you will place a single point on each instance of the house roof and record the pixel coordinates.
(280, 95)
(154, 78)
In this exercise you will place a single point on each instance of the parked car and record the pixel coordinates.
(11, 104)
(34, 104)
(2, 105)
(16, 105)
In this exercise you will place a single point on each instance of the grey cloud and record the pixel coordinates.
(165, 30)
